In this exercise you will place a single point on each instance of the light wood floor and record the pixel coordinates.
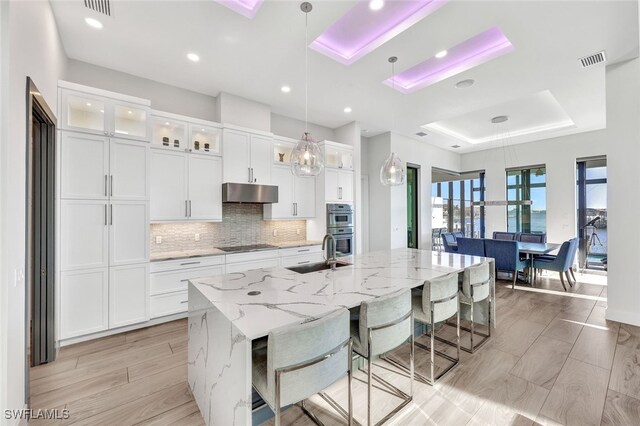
(553, 359)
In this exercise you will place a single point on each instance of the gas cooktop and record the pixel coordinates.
(252, 247)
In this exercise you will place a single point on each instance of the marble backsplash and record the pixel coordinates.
(241, 224)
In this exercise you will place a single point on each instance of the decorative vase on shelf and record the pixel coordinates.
(281, 157)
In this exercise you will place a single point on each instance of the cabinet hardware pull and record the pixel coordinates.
(111, 213)
(184, 301)
(105, 215)
(189, 263)
(106, 177)
(189, 208)
(111, 186)
(186, 208)
(302, 251)
(249, 171)
(184, 281)
(301, 263)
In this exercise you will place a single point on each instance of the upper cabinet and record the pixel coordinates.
(337, 155)
(338, 174)
(176, 132)
(247, 157)
(88, 110)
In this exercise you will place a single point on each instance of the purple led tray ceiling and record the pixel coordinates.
(470, 53)
(362, 30)
(247, 8)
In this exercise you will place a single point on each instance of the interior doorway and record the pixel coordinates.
(413, 212)
(40, 267)
(592, 213)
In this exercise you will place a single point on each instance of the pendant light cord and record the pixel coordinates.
(306, 73)
(393, 97)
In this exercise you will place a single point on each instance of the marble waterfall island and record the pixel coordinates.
(226, 313)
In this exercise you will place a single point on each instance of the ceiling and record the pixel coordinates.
(253, 58)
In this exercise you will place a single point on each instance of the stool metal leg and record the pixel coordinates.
(369, 365)
(433, 345)
(350, 379)
(277, 413)
(473, 328)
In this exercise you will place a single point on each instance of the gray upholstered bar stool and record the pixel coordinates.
(302, 360)
(437, 302)
(384, 324)
(476, 287)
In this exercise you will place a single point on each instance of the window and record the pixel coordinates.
(528, 184)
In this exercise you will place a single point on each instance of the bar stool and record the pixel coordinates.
(437, 302)
(476, 287)
(385, 323)
(302, 360)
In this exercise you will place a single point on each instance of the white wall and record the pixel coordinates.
(232, 109)
(163, 97)
(350, 134)
(559, 155)
(35, 50)
(378, 148)
(293, 128)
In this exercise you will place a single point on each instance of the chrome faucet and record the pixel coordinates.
(330, 253)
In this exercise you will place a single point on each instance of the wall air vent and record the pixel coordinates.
(594, 59)
(100, 6)
(421, 134)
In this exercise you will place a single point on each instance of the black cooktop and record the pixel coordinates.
(252, 247)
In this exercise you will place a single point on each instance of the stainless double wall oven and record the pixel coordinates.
(340, 225)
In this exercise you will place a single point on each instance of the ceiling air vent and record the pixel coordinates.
(594, 59)
(421, 134)
(455, 146)
(100, 6)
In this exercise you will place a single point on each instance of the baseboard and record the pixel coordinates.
(626, 317)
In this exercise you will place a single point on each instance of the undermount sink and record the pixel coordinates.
(315, 267)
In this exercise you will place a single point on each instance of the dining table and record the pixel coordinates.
(535, 249)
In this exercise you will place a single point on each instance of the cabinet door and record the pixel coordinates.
(84, 234)
(205, 188)
(130, 121)
(235, 160)
(345, 186)
(84, 302)
(168, 185)
(261, 154)
(331, 191)
(129, 167)
(284, 208)
(248, 266)
(128, 295)
(84, 166)
(305, 197)
(83, 113)
(129, 232)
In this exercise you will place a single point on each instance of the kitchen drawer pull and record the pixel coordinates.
(302, 251)
(184, 301)
(189, 263)
(106, 178)
(111, 214)
(111, 186)
(303, 262)
(184, 281)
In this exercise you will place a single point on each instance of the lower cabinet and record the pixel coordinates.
(128, 295)
(241, 262)
(256, 264)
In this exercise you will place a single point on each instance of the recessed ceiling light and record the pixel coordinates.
(421, 134)
(193, 57)
(94, 23)
(166, 123)
(285, 89)
(347, 110)
(455, 146)
(376, 4)
(102, 111)
(463, 84)
(130, 112)
(88, 103)
(441, 54)
(499, 119)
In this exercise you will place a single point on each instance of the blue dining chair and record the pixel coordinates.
(471, 246)
(447, 242)
(507, 257)
(532, 238)
(458, 234)
(507, 236)
(561, 263)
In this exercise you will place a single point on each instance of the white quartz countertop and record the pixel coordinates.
(285, 297)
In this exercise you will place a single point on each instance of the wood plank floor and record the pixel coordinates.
(553, 359)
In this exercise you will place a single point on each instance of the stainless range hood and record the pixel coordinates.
(249, 193)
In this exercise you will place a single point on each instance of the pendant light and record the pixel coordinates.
(392, 172)
(306, 157)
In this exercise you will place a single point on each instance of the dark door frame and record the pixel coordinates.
(417, 203)
(40, 299)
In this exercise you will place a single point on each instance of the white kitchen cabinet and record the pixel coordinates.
(129, 170)
(185, 186)
(128, 295)
(85, 234)
(248, 266)
(88, 110)
(84, 166)
(84, 302)
(296, 195)
(129, 232)
(169, 185)
(302, 259)
(247, 157)
(240, 262)
(169, 303)
(205, 188)
(338, 185)
(178, 280)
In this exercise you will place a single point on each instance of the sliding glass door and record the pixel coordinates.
(592, 212)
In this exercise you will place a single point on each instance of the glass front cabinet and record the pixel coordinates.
(180, 133)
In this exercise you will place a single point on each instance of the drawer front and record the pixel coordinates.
(252, 256)
(302, 259)
(247, 266)
(166, 282)
(295, 251)
(168, 304)
(196, 262)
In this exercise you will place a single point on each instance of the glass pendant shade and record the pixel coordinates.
(392, 171)
(306, 157)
